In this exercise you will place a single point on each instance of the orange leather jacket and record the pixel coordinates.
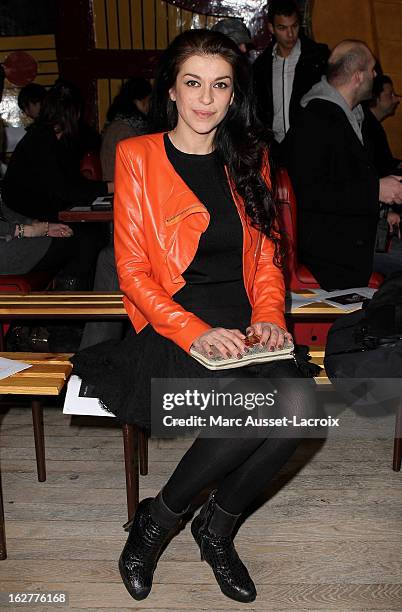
(158, 222)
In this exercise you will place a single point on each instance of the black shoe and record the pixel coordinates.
(140, 555)
(219, 552)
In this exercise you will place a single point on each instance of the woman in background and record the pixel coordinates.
(43, 175)
(30, 99)
(43, 178)
(127, 117)
(33, 246)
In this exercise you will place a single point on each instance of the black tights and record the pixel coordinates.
(243, 467)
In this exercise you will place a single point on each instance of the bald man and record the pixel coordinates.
(337, 186)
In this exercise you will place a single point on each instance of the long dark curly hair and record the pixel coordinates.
(241, 142)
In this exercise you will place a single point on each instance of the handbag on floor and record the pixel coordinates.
(367, 345)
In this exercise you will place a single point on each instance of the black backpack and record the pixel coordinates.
(367, 345)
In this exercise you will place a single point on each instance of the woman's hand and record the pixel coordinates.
(39, 229)
(270, 334)
(229, 342)
(394, 220)
(59, 230)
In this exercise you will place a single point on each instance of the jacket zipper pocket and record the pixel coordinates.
(184, 213)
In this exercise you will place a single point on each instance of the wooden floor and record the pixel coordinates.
(328, 538)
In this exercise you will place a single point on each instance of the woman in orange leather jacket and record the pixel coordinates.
(199, 262)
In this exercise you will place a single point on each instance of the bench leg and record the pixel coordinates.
(39, 435)
(396, 463)
(143, 446)
(130, 440)
(3, 547)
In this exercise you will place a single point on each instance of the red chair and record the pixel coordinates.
(297, 276)
(90, 166)
(24, 283)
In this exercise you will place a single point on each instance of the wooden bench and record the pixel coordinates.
(87, 305)
(67, 305)
(62, 305)
(109, 304)
(47, 376)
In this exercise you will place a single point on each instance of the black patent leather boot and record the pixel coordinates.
(212, 530)
(143, 548)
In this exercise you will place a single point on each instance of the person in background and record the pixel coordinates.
(127, 117)
(3, 140)
(287, 69)
(106, 279)
(27, 245)
(33, 246)
(336, 184)
(43, 178)
(43, 175)
(30, 99)
(87, 138)
(382, 105)
(236, 30)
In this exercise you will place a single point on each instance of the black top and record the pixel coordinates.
(214, 279)
(43, 177)
(384, 161)
(219, 255)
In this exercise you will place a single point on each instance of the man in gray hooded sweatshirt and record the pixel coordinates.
(331, 168)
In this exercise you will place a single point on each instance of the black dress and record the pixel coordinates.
(120, 372)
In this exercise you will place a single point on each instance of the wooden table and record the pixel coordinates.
(84, 216)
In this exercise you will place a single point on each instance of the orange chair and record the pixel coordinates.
(297, 276)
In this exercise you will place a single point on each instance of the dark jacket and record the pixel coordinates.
(311, 66)
(337, 188)
(43, 177)
(375, 135)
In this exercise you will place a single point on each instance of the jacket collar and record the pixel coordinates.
(181, 201)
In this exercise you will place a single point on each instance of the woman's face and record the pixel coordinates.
(143, 105)
(203, 92)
